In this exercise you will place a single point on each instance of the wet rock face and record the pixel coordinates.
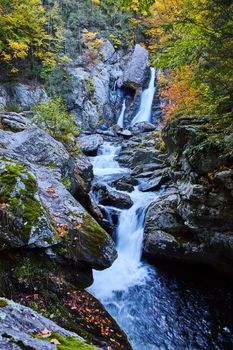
(142, 127)
(84, 168)
(98, 90)
(137, 67)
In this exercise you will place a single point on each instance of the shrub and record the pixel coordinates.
(53, 117)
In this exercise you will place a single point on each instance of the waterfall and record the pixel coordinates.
(127, 269)
(144, 113)
(120, 121)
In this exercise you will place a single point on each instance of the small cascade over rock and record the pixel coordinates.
(144, 113)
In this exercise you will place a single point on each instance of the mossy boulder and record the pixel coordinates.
(21, 213)
(22, 328)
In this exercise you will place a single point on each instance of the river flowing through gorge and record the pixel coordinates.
(167, 307)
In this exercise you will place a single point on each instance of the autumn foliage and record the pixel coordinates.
(191, 40)
(24, 38)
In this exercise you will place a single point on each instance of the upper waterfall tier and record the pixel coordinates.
(144, 113)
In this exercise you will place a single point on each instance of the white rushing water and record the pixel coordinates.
(158, 309)
(120, 121)
(127, 270)
(105, 164)
(144, 113)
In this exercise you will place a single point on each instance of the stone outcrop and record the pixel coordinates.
(137, 68)
(38, 210)
(106, 196)
(98, 87)
(195, 223)
(90, 144)
(22, 328)
(21, 95)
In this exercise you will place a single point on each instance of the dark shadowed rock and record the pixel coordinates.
(107, 196)
(127, 134)
(155, 182)
(84, 168)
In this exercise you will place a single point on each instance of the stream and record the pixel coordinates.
(167, 306)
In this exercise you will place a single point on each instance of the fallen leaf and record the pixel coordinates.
(55, 341)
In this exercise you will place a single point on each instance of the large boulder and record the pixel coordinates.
(22, 95)
(84, 168)
(108, 52)
(90, 144)
(109, 197)
(38, 210)
(22, 328)
(136, 69)
(142, 127)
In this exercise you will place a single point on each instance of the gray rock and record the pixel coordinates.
(84, 168)
(108, 52)
(144, 156)
(3, 97)
(90, 144)
(14, 121)
(22, 95)
(155, 182)
(26, 95)
(162, 215)
(18, 324)
(137, 67)
(125, 133)
(44, 168)
(142, 127)
(125, 183)
(159, 243)
(106, 196)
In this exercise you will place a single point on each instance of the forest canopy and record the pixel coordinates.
(190, 41)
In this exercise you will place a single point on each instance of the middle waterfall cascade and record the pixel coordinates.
(127, 269)
(144, 113)
(120, 121)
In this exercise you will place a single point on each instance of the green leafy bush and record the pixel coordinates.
(53, 117)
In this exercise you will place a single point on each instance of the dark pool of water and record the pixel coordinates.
(177, 309)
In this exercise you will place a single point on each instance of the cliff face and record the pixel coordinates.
(193, 219)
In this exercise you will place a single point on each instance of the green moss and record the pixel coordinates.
(70, 343)
(3, 303)
(116, 41)
(90, 86)
(66, 182)
(95, 235)
(13, 107)
(18, 190)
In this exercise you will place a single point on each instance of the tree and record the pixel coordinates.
(197, 35)
(24, 39)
